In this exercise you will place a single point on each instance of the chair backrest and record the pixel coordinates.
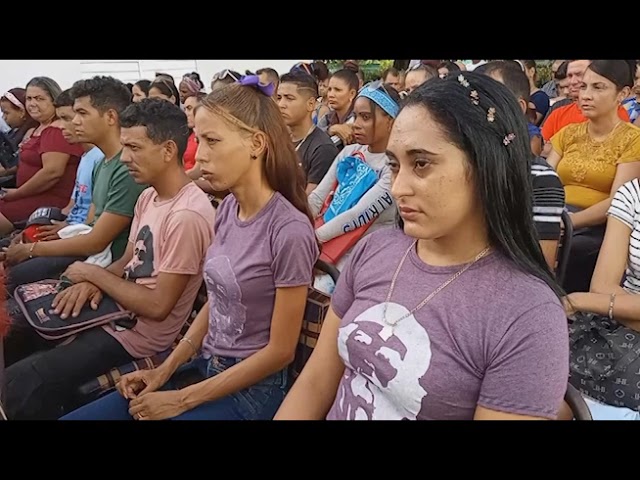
(564, 247)
(329, 269)
(576, 403)
(317, 306)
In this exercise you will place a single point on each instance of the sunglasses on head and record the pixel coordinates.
(224, 74)
(375, 85)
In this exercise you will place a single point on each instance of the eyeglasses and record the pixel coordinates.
(224, 74)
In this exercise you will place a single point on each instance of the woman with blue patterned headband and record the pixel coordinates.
(359, 175)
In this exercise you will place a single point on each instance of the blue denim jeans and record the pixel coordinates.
(258, 402)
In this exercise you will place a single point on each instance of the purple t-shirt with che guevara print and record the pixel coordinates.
(245, 264)
(495, 337)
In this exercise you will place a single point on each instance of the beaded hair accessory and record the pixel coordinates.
(491, 112)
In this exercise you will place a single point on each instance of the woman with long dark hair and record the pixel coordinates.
(257, 273)
(458, 316)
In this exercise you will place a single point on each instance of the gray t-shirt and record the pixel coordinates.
(245, 264)
(495, 337)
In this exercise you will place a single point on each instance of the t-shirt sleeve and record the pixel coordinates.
(632, 152)
(624, 203)
(558, 140)
(541, 100)
(549, 127)
(123, 194)
(186, 237)
(528, 370)
(321, 161)
(295, 252)
(51, 140)
(623, 114)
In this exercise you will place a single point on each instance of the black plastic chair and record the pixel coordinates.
(576, 403)
(564, 247)
(329, 269)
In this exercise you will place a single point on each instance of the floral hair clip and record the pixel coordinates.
(509, 138)
(475, 99)
(463, 81)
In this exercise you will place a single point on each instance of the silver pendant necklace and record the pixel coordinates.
(391, 324)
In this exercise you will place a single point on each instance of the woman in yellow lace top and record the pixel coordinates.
(593, 159)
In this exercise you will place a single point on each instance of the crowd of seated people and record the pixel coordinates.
(447, 195)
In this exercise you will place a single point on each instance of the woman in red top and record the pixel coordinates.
(47, 165)
(189, 159)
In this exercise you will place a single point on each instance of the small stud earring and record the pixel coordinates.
(253, 157)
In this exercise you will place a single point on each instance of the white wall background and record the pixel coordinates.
(16, 73)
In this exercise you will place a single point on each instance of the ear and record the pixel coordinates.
(523, 105)
(624, 94)
(353, 94)
(311, 104)
(170, 151)
(390, 124)
(112, 117)
(258, 144)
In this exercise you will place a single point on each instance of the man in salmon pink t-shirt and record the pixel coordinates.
(157, 278)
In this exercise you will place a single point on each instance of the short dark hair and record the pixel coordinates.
(561, 72)
(303, 81)
(269, 72)
(105, 93)
(390, 71)
(64, 99)
(163, 120)
(513, 78)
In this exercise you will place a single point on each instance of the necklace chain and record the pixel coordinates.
(482, 254)
(304, 139)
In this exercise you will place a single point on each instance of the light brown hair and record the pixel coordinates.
(250, 110)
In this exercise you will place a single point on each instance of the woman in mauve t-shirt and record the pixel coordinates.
(47, 165)
(257, 273)
(457, 316)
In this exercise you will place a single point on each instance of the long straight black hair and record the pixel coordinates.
(499, 156)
